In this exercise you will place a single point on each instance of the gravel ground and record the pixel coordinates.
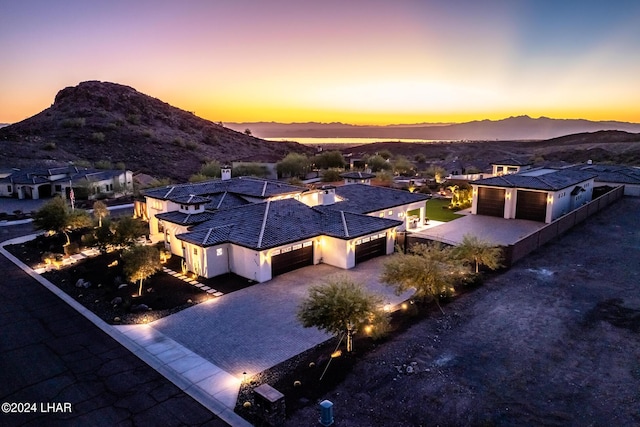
(552, 341)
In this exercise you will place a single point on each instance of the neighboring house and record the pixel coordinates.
(613, 175)
(510, 166)
(259, 228)
(535, 194)
(357, 177)
(86, 183)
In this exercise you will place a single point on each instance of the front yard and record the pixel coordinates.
(109, 295)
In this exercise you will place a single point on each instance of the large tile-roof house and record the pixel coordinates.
(258, 228)
(535, 194)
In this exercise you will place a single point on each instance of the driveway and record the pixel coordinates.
(256, 328)
(499, 231)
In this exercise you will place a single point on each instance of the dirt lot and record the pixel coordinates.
(553, 341)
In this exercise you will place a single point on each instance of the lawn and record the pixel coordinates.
(437, 210)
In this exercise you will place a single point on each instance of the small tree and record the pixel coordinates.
(55, 215)
(140, 262)
(100, 211)
(293, 165)
(127, 230)
(329, 159)
(478, 252)
(339, 306)
(251, 169)
(211, 169)
(402, 165)
(430, 269)
(378, 163)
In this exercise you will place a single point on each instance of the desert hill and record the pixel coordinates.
(602, 146)
(512, 128)
(106, 121)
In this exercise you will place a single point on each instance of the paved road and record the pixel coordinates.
(51, 354)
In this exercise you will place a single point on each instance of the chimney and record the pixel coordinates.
(225, 171)
(589, 162)
(327, 195)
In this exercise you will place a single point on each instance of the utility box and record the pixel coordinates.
(326, 413)
(270, 406)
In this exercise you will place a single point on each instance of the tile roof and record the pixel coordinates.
(611, 173)
(358, 175)
(361, 198)
(192, 199)
(71, 173)
(245, 186)
(177, 217)
(275, 223)
(552, 181)
(512, 162)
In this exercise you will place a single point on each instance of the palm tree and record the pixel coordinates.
(479, 252)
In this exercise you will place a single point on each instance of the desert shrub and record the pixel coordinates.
(331, 175)
(98, 136)
(103, 164)
(121, 166)
(179, 142)
(76, 122)
(49, 146)
(82, 163)
(134, 119)
(191, 145)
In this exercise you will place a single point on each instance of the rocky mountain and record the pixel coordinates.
(101, 121)
(512, 128)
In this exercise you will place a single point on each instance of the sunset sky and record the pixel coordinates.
(361, 62)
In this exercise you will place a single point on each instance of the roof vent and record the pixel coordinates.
(589, 162)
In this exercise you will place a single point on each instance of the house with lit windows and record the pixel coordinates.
(47, 182)
(258, 228)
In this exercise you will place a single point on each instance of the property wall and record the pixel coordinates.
(632, 190)
(215, 260)
(528, 244)
(400, 213)
(249, 263)
(337, 252)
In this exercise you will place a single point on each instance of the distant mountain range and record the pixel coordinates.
(110, 122)
(512, 128)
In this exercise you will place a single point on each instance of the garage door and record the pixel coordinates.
(490, 201)
(371, 247)
(291, 258)
(531, 205)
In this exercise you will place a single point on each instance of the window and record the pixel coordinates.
(390, 213)
(298, 246)
(9, 188)
(160, 227)
(307, 244)
(219, 252)
(167, 237)
(58, 188)
(195, 251)
(381, 214)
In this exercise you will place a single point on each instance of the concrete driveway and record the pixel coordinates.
(256, 328)
(499, 231)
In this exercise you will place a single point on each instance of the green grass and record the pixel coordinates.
(436, 212)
